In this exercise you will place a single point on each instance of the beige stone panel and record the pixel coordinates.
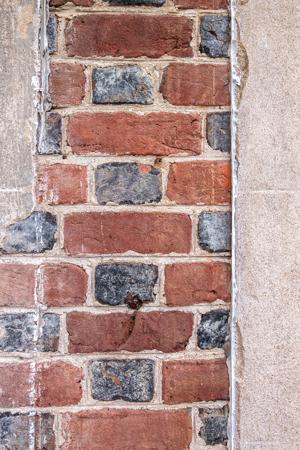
(19, 61)
(267, 353)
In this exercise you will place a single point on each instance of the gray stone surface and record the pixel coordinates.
(127, 183)
(52, 135)
(213, 330)
(215, 36)
(266, 332)
(214, 231)
(17, 332)
(35, 234)
(115, 283)
(137, 2)
(49, 339)
(26, 431)
(19, 61)
(129, 380)
(122, 84)
(218, 131)
(52, 34)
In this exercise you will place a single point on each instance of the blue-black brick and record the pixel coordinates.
(215, 36)
(214, 231)
(218, 131)
(49, 340)
(17, 332)
(127, 183)
(129, 380)
(116, 283)
(52, 34)
(213, 330)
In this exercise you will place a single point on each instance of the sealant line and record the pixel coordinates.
(234, 164)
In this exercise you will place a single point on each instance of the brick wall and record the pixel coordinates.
(115, 291)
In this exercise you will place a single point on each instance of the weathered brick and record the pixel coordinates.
(127, 183)
(17, 332)
(122, 84)
(58, 184)
(200, 182)
(58, 384)
(35, 234)
(215, 36)
(192, 283)
(195, 381)
(163, 331)
(66, 84)
(130, 35)
(17, 284)
(75, 2)
(214, 425)
(115, 284)
(196, 84)
(107, 232)
(218, 133)
(64, 284)
(129, 380)
(52, 34)
(137, 2)
(127, 429)
(214, 231)
(203, 4)
(16, 384)
(49, 340)
(52, 135)
(25, 431)
(123, 133)
(213, 330)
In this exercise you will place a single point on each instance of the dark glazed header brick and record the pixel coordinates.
(218, 131)
(214, 231)
(52, 135)
(17, 332)
(116, 282)
(214, 428)
(52, 34)
(213, 330)
(130, 35)
(35, 234)
(16, 431)
(129, 380)
(75, 2)
(127, 183)
(215, 36)
(50, 333)
(126, 84)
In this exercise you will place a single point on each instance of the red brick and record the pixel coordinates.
(17, 284)
(129, 35)
(127, 429)
(64, 284)
(195, 381)
(16, 383)
(123, 133)
(107, 232)
(192, 283)
(162, 331)
(200, 182)
(196, 84)
(59, 184)
(58, 384)
(203, 4)
(75, 2)
(66, 84)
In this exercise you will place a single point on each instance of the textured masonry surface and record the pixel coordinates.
(116, 289)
